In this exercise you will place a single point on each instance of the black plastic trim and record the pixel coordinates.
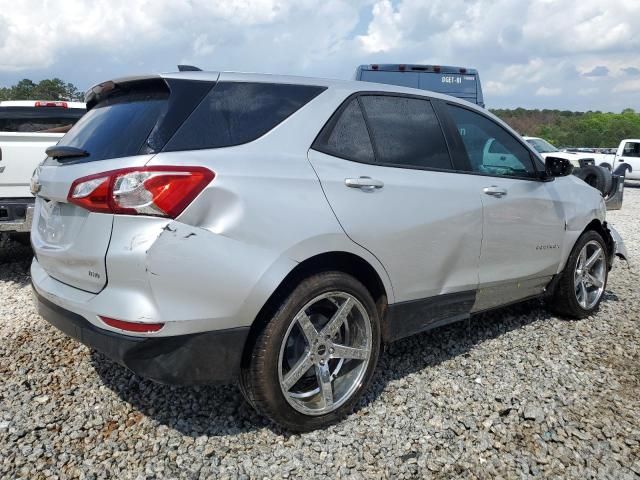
(415, 316)
(198, 358)
(408, 318)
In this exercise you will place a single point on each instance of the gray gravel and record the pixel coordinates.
(516, 393)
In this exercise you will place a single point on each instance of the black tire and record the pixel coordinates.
(598, 177)
(260, 380)
(564, 300)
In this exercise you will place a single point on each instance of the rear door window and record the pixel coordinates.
(406, 132)
(348, 138)
(234, 113)
(39, 119)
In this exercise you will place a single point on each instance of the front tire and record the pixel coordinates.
(315, 357)
(584, 279)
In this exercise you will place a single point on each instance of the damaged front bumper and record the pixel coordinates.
(616, 245)
(613, 200)
(619, 249)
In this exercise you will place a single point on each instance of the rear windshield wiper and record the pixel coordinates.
(60, 152)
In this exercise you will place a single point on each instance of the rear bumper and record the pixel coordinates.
(197, 358)
(16, 214)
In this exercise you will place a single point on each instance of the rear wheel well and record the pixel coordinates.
(332, 261)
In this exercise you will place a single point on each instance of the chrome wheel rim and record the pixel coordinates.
(325, 353)
(590, 275)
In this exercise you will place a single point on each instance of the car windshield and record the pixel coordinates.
(541, 146)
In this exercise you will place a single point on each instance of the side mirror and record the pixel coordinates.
(557, 167)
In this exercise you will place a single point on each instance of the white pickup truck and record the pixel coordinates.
(626, 160)
(587, 168)
(27, 128)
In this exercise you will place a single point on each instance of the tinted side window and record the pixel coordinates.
(348, 138)
(406, 132)
(234, 113)
(490, 148)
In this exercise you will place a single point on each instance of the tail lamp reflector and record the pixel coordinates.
(159, 191)
(132, 326)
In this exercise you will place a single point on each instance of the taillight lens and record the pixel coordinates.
(158, 191)
(132, 326)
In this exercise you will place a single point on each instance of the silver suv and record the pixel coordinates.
(199, 227)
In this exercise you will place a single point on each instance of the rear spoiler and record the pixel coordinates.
(103, 90)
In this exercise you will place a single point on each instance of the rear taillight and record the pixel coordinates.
(159, 191)
(52, 104)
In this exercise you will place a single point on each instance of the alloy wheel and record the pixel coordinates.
(325, 353)
(590, 274)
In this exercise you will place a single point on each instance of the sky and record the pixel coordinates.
(574, 55)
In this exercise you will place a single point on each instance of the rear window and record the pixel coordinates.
(235, 113)
(119, 125)
(39, 119)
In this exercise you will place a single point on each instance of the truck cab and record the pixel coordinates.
(459, 82)
(27, 128)
(628, 156)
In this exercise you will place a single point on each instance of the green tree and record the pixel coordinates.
(574, 129)
(47, 89)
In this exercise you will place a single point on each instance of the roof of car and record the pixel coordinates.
(41, 103)
(349, 85)
(352, 85)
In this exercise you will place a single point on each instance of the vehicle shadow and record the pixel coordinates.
(221, 410)
(15, 260)
(211, 410)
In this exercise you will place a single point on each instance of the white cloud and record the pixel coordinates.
(588, 91)
(630, 86)
(492, 87)
(548, 92)
(524, 49)
(383, 33)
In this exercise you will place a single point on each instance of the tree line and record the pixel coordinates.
(563, 128)
(574, 129)
(47, 89)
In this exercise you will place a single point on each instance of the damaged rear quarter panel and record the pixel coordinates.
(197, 274)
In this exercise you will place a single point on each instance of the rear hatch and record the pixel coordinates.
(128, 121)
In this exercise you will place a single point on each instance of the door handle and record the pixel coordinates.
(367, 184)
(495, 191)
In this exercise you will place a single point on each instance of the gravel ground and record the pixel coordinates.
(516, 393)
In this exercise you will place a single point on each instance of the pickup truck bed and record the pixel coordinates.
(27, 128)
